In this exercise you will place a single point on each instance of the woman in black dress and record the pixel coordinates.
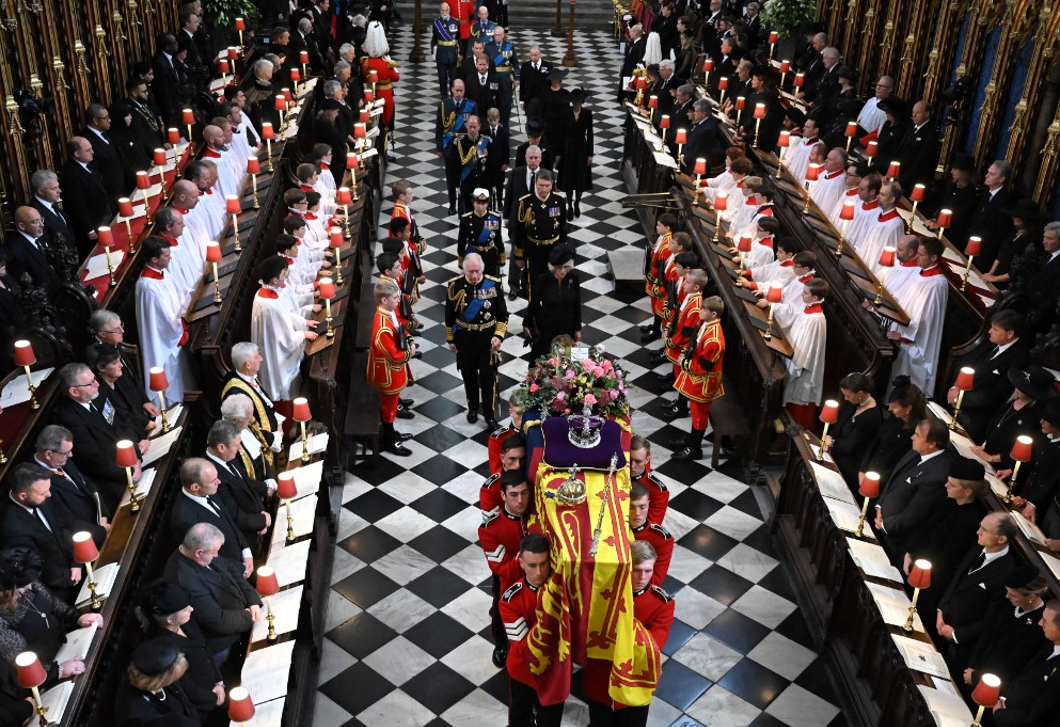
(165, 613)
(858, 423)
(907, 406)
(685, 61)
(150, 692)
(576, 157)
(1025, 241)
(1021, 415)
(551, 107)
(944, 540)
(105, 362)
(555, 304)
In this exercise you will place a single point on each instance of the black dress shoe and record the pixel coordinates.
(452, 209)
(570, 214)
(405, 413)
(402, 436)
(657, 358)
(472, 416)
(649, 337)
(398, 449)
(407, 403)
(418, 354)
(688, 453)
(513, 294)
(491, 424)
(419, 325)
(647, 329)
(577, 209)
(666, 378)
(499, 657)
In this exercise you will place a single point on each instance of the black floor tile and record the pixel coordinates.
(777, 582)
(362, 635)
(439, 408)
(439, 358)
(766, 720)
(439, 470)
(745, 502)
(680, 634)
(694, 503)
(439, 438)
(737, 631)
(366, 587)
(815, 679)
(373, 505)
(794, 627)
(439, 382)
(438, 634)
(680, 686)
(438, 587)
(377, 470)
(754, 683)
(497, 686)
(707, 542)
(357, 688)
(439, 505)
(369, 544)
(684, 470)
(438, 687)
(439, 543)
(721, 584)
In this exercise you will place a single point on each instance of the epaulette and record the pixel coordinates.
(490, 480)
(453, 280)
(656, 481)
(467, 214)
(559, 193)
(525, 196)
(513, 590)
(661, 530)
(666, 597)
(488, 517)
(499, 432)
(490, 277)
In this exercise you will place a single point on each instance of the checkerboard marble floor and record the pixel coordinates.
(408, 639)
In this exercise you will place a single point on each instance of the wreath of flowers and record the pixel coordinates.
(559, 384)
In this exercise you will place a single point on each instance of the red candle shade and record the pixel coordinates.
(920, 574)
(813, 171)
(327, 288)
(213, 252)
(29, 671)
(301, 410)
(744, 244)
(125, 455)
(335, 236)
(642, 83)
(253, 166)
(664, 122)
(296, 75)
(267, 131)
(852, 129)
(775, 294)
(944, 219)
(701, 166)
(740, 103)
(800, 79)
(143, 181)
(342, 195)
(965, 378)
(682, 136)
(847, 213)
(240, 706)
(872, 149)
(352, 161)
(721, 201)
(188, 116)
(173, 136)
(369, 95)
(222, 66)
(232, 206)
(373, 76)
(888, 256)
(830, 412)
(917, 194)
(158, 380)
(105, 236)
(785, 66)
(364, 117)
(267, 584)
(85, 550)
(286, 488)
(653, 102)
(358, 131)
(303, 56)
(974, 246)
(988, 691)
(241, 24)
(287, 95)
(125, 207)
(723, 84)
(280, 102)
(708, 65)
(785, 139)
(760, 110)
(870, 485)
(1021, 449)
(24, 355)
(160, 157)
(233, 53)
(894, 169)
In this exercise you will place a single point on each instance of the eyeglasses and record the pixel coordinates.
(93, 382)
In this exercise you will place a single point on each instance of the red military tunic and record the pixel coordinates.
(384, 88)
(463, 10)
(500, 535)
(518, 608)
(659, 538)
(700, 377)
(489, 495)
(653, 274)
(658, 496)
(388, 357)
(493, 446)
(683, 330)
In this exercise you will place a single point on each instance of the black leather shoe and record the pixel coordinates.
(647, 329)
(405, 414)
(688, 453)
(452, 209)
(670, 413)
(402, 436)
(419, 325)
(407, 403)
(513, 294)
(657, 358)
(499, 657)
(399, 450)
(577, 210)
(418, 354)
(649, 337)
(570, 215)
(491, 424)
(472, 416)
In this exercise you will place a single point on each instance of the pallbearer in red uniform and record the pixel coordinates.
(388, 363)
(654, 263)
(640, 471)
(500, 535)
(518, 609)
(654, 608)
(510, 458)
(498, 436)
(650, 532)
(682, 331)
(700, 379)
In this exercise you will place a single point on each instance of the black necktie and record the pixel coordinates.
(533, 181)
(979, 563)
(37, 514)
(214, 505)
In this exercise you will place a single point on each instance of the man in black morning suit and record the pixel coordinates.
(87, 199)
(225, 604)
(97, 429)
(241, 496)
(28, 518)
(915, 491)
(106, 159)
(197, 502)
(27, 251)
(1033, 698)
(73, 496)
(46, 200)
(978, 582)
(1043, 286)
(1002, 350)
(989, 220)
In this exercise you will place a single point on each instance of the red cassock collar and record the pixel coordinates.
(931, 272)
(266, 293)
(813, 308)
(153, 274)
(888, 216)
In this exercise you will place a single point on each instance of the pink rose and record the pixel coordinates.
(561, 396)
(570, 373)
(553, 362)
(589, 399)
(534, 388)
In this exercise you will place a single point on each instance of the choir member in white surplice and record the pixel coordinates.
(159, 320)
(906, 271)
(762, 252)
(186, 199)
(781, 270)
(185, 266)
(805, 327)
(866, 209)
(279, 333)
(886, 230)
(731, 180)
(831, 181)
(210, 208)
(924, 301)
(798, 159)
(855, 172)
(229, 178)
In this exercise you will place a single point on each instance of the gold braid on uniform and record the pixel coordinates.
(465, 159)
(447, 123)
(526, 216)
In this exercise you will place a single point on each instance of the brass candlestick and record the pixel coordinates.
(162, 409)
(34, 404)
(287, 504)
(769, 323)
(254, 181)
(271, 618)
(331, 331)
(92, 585)
(305, 460)
(134, 501)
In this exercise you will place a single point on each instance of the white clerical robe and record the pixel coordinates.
(850, 195)
(761, 253)
(158, 319)
(865, 214)
(828, 189)
(782, 272)
(212, 210)
(871, 118)
(884, 232)
(794, 141)
(925, 303)
(899, 276)
(326, 183)
(799, 159)
(792, 293)
(742, 219)
(185, 271)
(196, 232)
(724, 182)
(807, 332)
(279, 335)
